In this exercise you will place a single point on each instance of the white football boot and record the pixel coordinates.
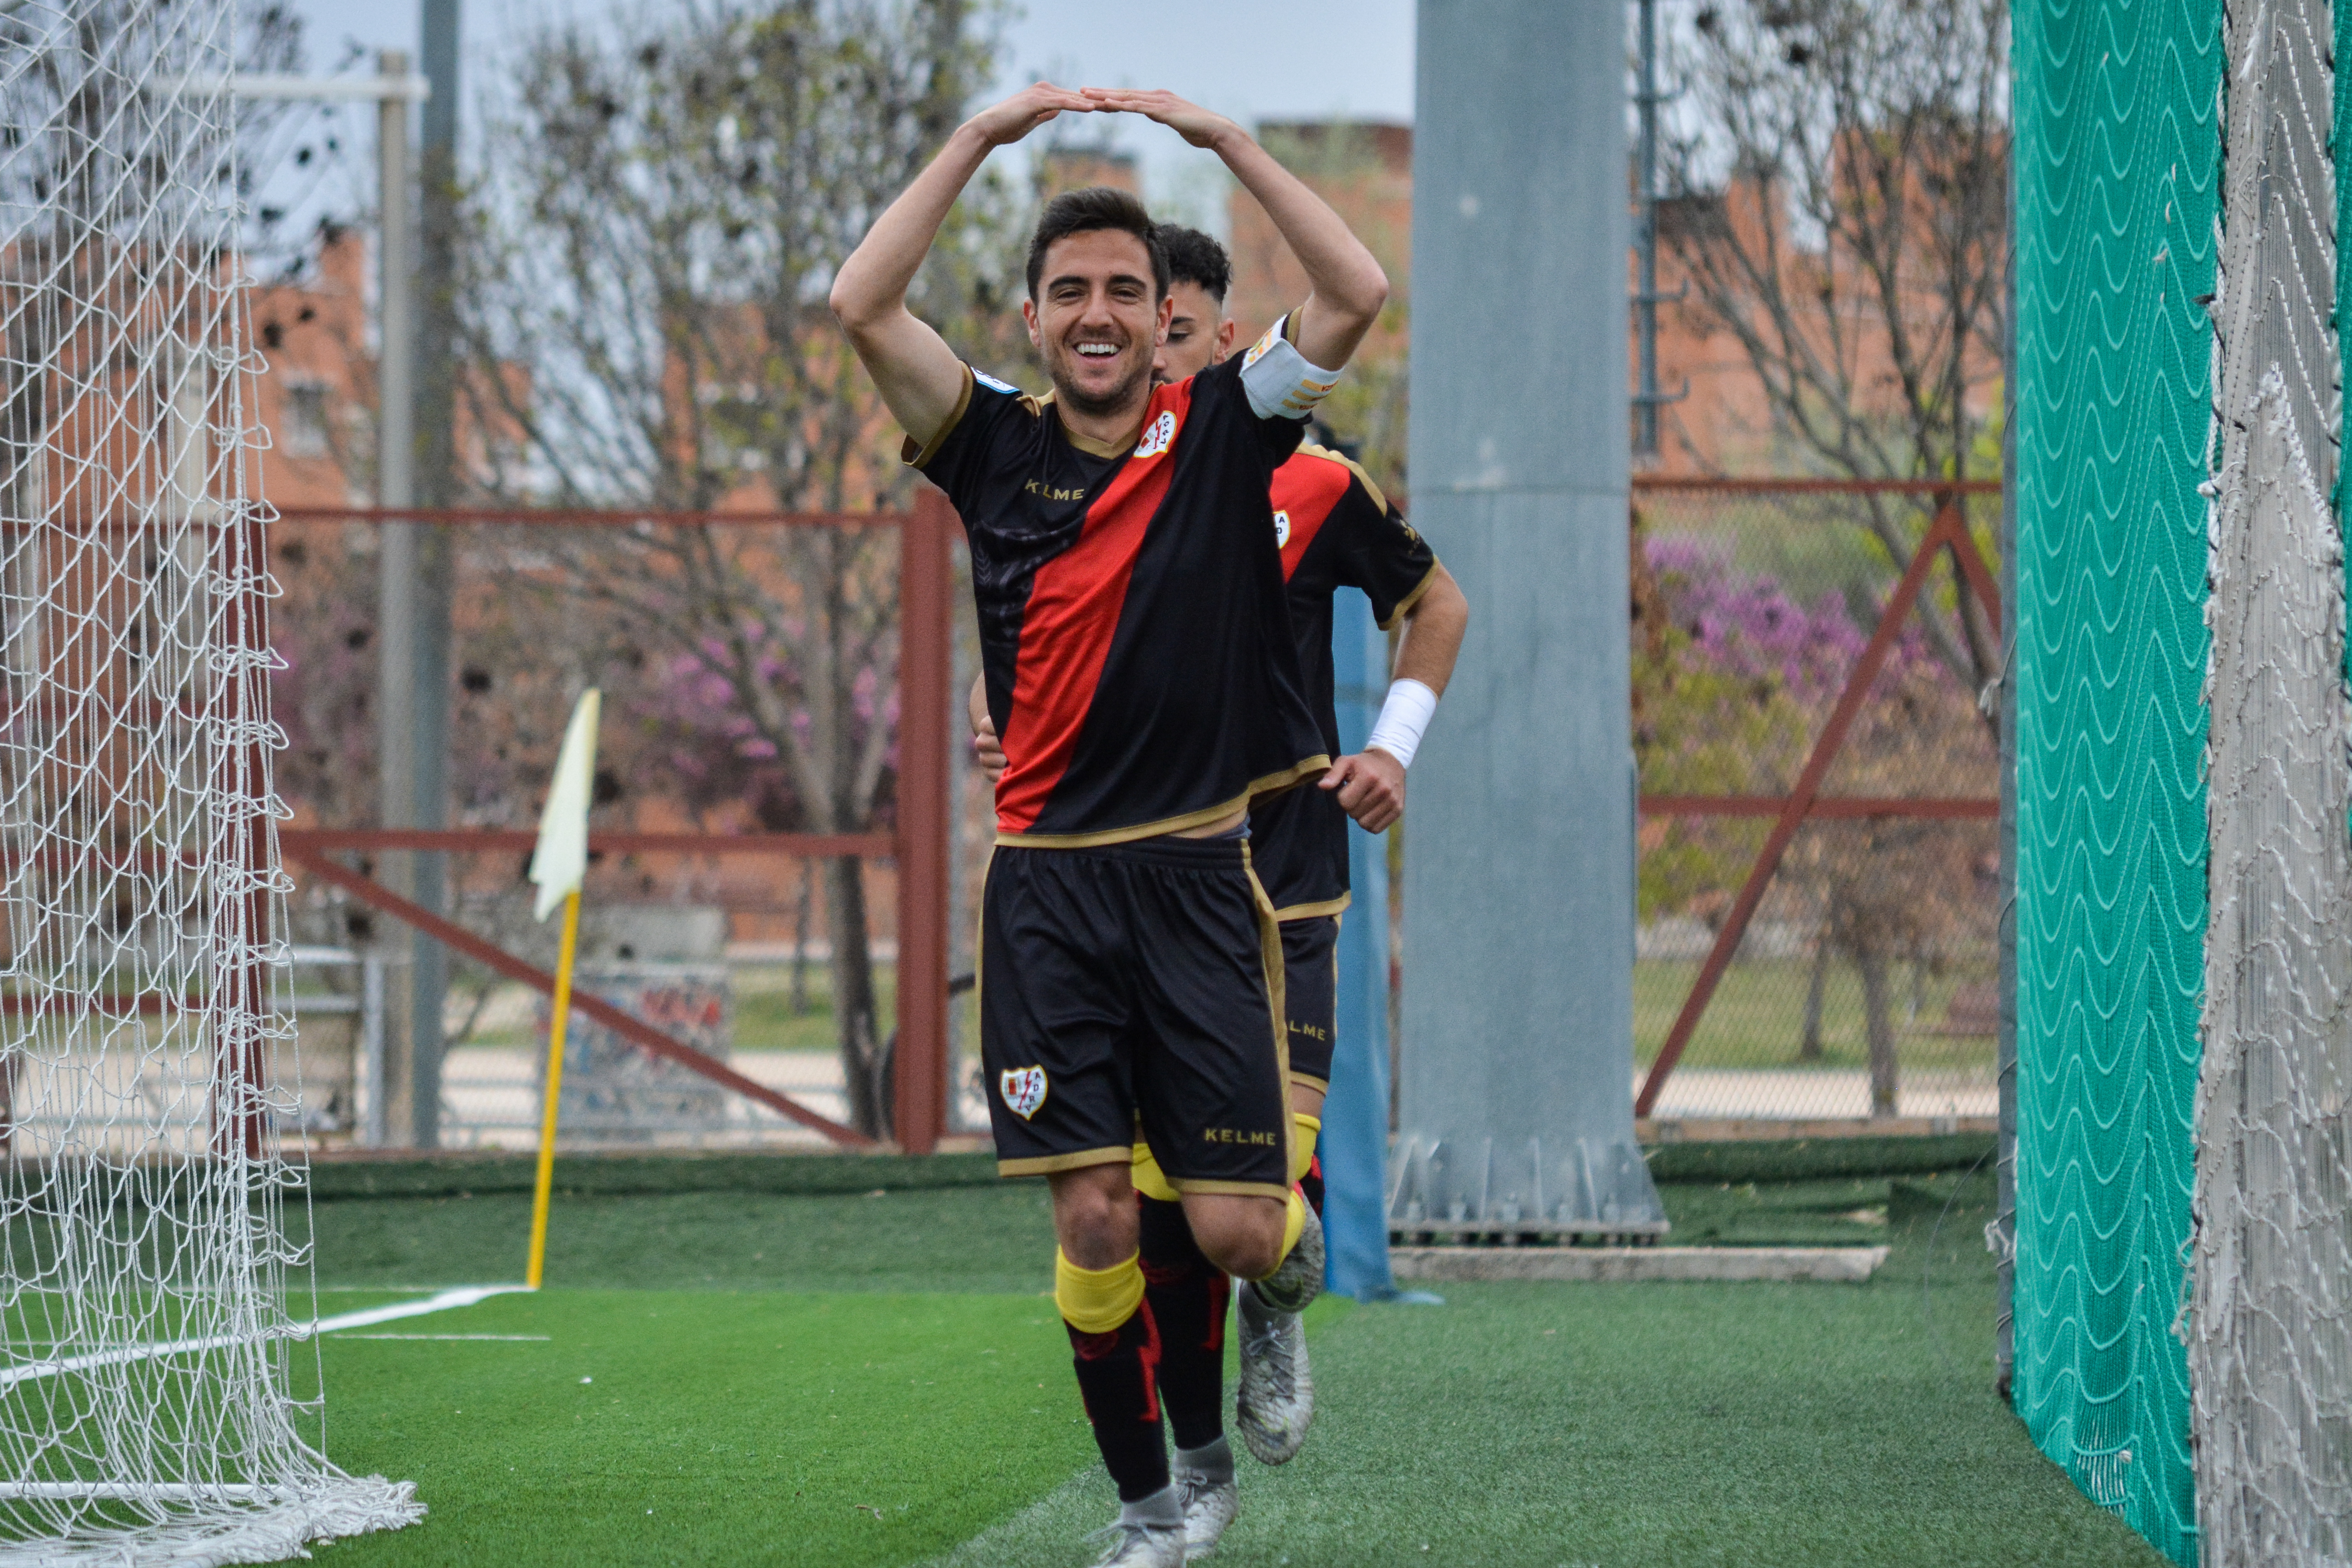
(1204, 1482)
(1276, 1402)
(1147, 1533)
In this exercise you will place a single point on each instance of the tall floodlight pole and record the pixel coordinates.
(437, 485)
(1515, 1093)
(411, 1100)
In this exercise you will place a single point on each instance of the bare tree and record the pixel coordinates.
(668, 197)
(1843, 217)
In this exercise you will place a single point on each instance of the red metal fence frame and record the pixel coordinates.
(1948, 532)
(920, 844)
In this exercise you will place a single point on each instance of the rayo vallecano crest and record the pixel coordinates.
(1023, 1089)
(1159, 435)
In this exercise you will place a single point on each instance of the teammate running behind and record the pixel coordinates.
(1130, 604)
(1334, 529)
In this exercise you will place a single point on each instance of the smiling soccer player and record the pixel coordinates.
(1133, 649)
(1333, 529)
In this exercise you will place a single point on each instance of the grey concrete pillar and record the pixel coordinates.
(1516, 1114)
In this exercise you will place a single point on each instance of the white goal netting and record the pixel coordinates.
(2269, 1320)
(158, 1399)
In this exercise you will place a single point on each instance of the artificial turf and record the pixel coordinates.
(998, 1238)
(655, 1426)
(772, 1401)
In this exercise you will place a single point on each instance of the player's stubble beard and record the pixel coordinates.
(1130, 392)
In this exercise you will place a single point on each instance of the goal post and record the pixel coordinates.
(158, 1389)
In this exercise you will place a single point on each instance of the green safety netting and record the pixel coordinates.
(2117, 160)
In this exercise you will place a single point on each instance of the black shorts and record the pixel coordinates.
(1310, 995)
(1127, 986)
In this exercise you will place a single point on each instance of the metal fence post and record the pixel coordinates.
(925, 673)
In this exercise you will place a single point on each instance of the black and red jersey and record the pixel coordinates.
(1135, 642)
(1335, 530)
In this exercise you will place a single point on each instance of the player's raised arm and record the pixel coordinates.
(919, 377)
(1349, 287)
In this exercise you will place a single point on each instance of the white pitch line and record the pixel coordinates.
(446, 1301)
(468, 1338)
(464, 1296)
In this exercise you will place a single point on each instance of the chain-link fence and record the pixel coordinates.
(748, 906)
(1864, 982)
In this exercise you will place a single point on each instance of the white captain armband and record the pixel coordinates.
(1281, 384)
(1402, 719)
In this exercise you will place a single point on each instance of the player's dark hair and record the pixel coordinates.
(1197, 258)
(1083, 211)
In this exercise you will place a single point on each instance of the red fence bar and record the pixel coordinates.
(1839, 807)
(1719, 486)
(464, 841)
(634, 1030)
(926, 672)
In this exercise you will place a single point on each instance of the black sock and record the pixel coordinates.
(1117, 1378)
(1187, 1296)
(1311, 1184)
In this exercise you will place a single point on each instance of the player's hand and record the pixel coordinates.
(987, 749)
(1005, 124)
(1188, 120)
(1371, 788)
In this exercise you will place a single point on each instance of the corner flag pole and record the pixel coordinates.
(559, 865)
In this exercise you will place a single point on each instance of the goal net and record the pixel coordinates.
(159, 1396)
(2269, 1322)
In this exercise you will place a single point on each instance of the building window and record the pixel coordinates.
(303, 420)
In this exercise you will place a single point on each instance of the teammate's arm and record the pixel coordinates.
(1372, 782)
(1348, 286)
(985, 747)
(918, 376)
(1433, 630)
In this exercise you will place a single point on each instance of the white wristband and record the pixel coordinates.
(1403, 719)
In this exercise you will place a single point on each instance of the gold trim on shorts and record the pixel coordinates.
(1329, 906)
(1232, 1189)
(1278, 994)
(1053, 1164)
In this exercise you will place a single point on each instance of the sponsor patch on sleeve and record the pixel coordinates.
(992, 384)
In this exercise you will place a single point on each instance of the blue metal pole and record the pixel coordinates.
(1355, 1142)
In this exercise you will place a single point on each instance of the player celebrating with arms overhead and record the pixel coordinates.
(1334, 529)
(1137, 668)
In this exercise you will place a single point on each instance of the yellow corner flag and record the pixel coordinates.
(559, 865)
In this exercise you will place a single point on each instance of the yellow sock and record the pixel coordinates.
(1145, 1175)
(1294, 1220)
(1302, 1143)
(1097, 1301)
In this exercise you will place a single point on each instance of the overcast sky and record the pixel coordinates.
(1249, 58)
